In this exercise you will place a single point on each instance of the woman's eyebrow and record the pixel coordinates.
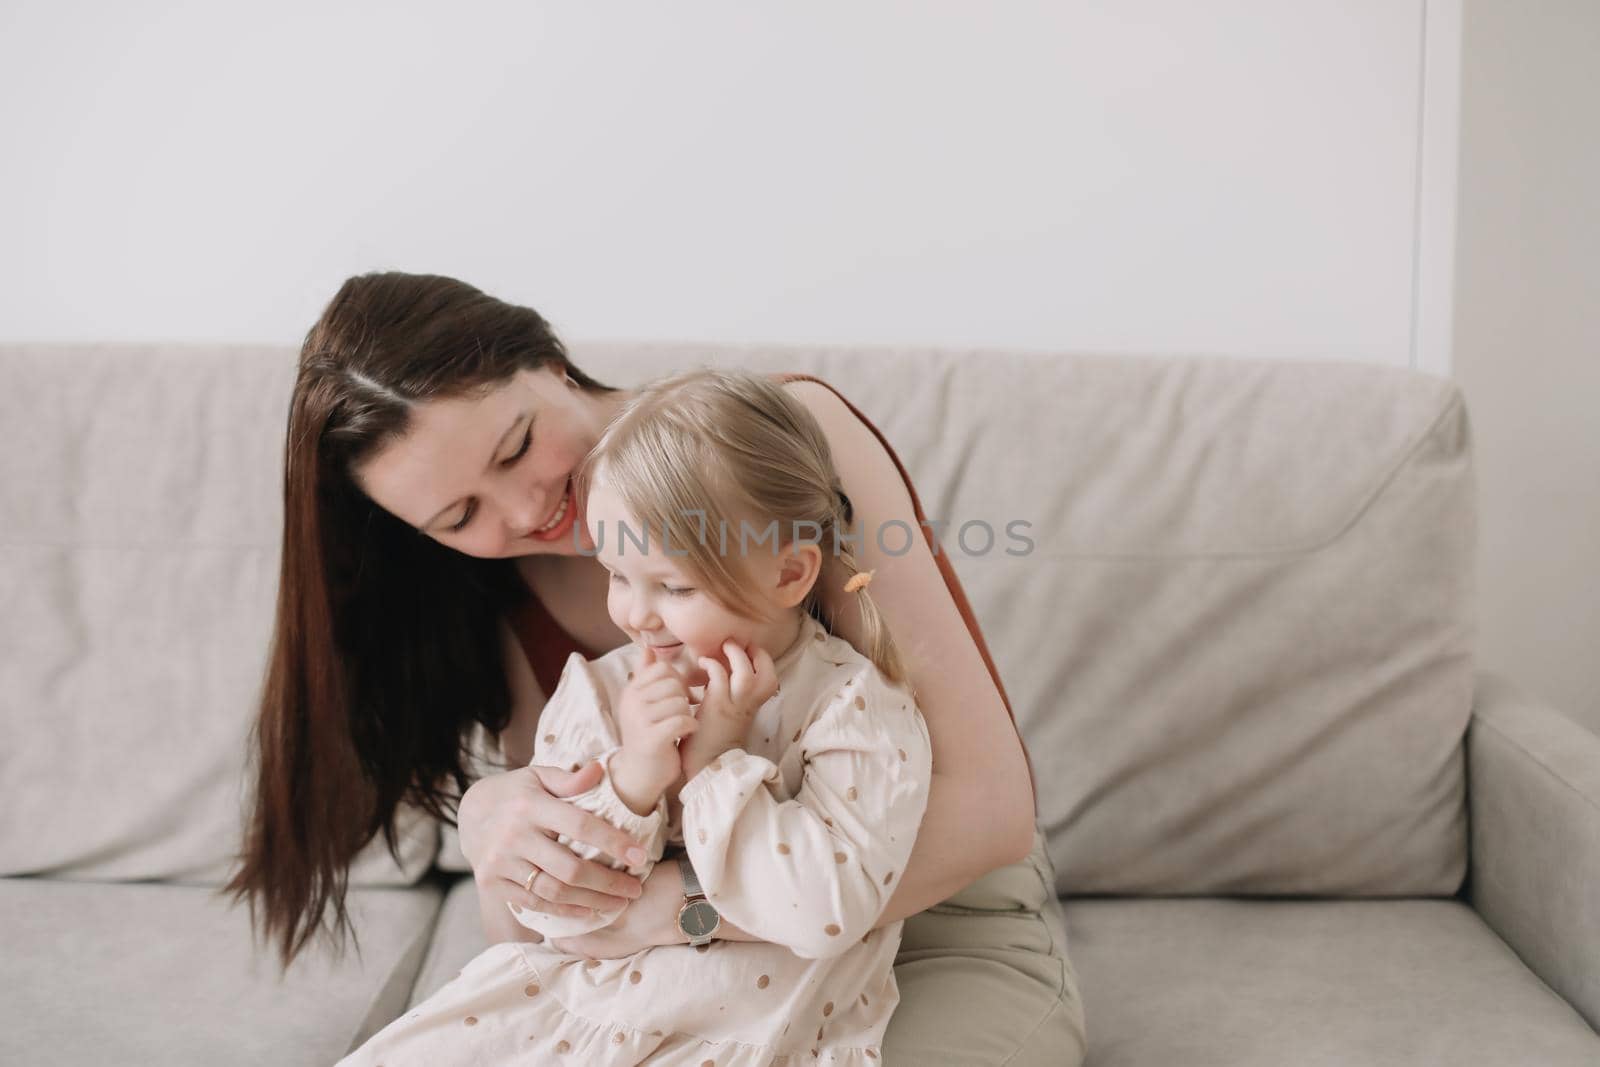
(498, 445)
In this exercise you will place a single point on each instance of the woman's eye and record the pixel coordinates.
(678, 592)
(466, 516)
(527, 439)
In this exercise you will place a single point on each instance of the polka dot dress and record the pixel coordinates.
(798, 838)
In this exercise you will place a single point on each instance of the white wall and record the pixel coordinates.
(1165, 176)
(1528, 337)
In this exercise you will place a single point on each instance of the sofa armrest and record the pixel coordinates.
(1534, 794)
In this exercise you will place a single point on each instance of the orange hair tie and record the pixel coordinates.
(859, 582)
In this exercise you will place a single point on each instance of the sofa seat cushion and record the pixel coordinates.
(1240, 982)
(99, 973)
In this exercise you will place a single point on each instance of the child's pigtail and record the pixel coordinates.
(880, 646)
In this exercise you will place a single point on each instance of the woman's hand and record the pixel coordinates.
(649, 921)
(508, 824)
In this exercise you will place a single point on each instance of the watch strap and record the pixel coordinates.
(691, 881)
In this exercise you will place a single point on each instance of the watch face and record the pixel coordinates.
(699, 919)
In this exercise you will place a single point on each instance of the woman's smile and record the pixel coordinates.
(559, 523)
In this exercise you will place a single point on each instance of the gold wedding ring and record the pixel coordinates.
(528, 882)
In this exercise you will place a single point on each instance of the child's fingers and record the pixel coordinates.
(663, 687)
(738, 658)
(766, 680)
(679, 727)
(662, 710)
(762, 662)
(660, 672)
(652, 666)
(653, 685)
(716, 682)
(751, 686)
(739, 666)
(643, 675)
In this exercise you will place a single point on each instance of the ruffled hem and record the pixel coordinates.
(499, 1011)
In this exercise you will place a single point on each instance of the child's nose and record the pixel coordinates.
(641, 615)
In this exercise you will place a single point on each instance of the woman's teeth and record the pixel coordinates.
(561, 513)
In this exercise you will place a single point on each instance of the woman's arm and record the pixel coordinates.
(980, 809)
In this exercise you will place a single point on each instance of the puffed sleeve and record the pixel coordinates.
(575, 727)
(814, 873)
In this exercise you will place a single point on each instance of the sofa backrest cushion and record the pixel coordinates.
(142, 493)
(1236, 630)
(1240, 646)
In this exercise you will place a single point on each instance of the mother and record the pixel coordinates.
(430, 590)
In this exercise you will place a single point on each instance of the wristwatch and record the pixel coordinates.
(698, 918)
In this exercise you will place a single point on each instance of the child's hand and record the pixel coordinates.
(732, 698)
(652, 714)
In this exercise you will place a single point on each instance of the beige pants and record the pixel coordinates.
(984, 977)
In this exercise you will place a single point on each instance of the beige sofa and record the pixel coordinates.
(1290, 822)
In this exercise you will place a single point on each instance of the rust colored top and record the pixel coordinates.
(547, 645)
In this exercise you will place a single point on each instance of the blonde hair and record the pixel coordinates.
(696, 456)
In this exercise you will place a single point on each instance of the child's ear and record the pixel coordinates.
(801, 566)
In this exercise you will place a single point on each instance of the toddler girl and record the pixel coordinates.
(791, 768)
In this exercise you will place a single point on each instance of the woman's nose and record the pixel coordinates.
(522, 511)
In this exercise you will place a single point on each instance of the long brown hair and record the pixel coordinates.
(386, 648)
(707, 456)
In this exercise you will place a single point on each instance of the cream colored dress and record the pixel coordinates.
(799, 838)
